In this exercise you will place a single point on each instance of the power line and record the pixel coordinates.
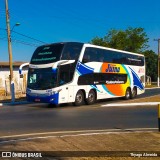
(25, 36)
(25, 43)
(20, 41)
(28, 37)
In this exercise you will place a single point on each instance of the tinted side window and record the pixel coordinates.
(102, 78)
(109, 56)
(71, 51)
(135, 60)
(123, 58)
(66, 73)
(90, 55)
(101, 55)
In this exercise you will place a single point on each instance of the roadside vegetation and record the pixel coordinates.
(146, 99)
(151, 86)
(133, 40)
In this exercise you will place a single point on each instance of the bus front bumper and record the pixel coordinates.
(53, 99)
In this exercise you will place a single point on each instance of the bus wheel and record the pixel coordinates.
(91, 97)
(79, 100)
(127, 94)
(134, 92)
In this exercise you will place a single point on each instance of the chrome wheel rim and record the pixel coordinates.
(134, 92)
(127, 94)
(91, 97)
(79, 98)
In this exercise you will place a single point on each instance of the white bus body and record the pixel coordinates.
(96, 73)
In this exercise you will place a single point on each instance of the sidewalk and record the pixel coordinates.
(18, 101)
(6, 100)
(92, 147)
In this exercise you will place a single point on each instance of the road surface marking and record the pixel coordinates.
(131, 104)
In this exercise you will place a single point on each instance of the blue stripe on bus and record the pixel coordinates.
(84, 69)
(53, 99)
(136, 81)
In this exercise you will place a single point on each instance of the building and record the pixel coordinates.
(20, 83)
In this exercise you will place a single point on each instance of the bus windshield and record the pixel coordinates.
(55, 52)
(41, 79)
(47, 54)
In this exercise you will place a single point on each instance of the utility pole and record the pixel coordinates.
(10, 53)
(158, 79)
(158, 61)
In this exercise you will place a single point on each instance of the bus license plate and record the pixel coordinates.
(37, 100)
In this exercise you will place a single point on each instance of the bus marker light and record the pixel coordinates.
(52, 99)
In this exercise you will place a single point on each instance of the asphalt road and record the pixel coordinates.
(38, 118)
(150, 92)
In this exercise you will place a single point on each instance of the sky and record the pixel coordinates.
(49, 21)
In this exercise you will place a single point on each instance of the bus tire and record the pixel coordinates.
(79, 99)
(91, 97)
(134, 92)
(127, 94)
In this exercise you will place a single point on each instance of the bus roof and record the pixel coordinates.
(48, 44)
(96, 46)
(112, 49)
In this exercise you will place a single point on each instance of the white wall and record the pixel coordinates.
(20, 83)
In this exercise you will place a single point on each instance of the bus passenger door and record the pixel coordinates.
(66, 73)
(64, 94)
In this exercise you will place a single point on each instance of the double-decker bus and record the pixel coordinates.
(83, 73)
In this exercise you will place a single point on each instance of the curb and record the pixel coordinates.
(131, 104)
(152, 88)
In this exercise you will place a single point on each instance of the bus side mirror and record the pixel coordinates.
(20, 69)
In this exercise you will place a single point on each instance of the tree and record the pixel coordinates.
(151, 64)
(132, 39)
(99, 42)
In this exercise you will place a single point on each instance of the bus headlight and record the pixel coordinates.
(54, 92)
(28, 91)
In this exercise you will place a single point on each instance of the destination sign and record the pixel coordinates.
(47, 54)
